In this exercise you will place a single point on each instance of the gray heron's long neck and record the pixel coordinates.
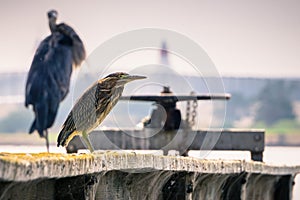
(52, 25)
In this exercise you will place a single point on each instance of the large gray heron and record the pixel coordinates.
(48, 79)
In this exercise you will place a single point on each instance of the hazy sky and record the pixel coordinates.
(246, 38)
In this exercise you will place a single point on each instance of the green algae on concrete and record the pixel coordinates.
(119, 175)
(24, 167)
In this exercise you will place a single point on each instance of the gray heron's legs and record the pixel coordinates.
(47, 140)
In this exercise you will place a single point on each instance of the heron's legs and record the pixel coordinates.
(87, 141)
(47, 140)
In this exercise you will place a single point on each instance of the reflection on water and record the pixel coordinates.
(272, 155)
(30, 149)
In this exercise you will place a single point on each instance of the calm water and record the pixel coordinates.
(272, 155)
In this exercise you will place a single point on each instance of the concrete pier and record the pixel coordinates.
(120, 175)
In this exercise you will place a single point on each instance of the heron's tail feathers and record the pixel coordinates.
(65, 137)
(33, 128)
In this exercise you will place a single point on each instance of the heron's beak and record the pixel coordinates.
(129, 78)
(134, 77)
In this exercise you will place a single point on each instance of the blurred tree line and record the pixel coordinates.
(16, 121)
(275, 103)
(269, 105)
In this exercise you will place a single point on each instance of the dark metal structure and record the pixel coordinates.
(183, 141)
(166, 130)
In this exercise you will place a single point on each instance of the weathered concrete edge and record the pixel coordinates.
(25, 167)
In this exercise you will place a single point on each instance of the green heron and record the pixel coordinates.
(93, 106)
